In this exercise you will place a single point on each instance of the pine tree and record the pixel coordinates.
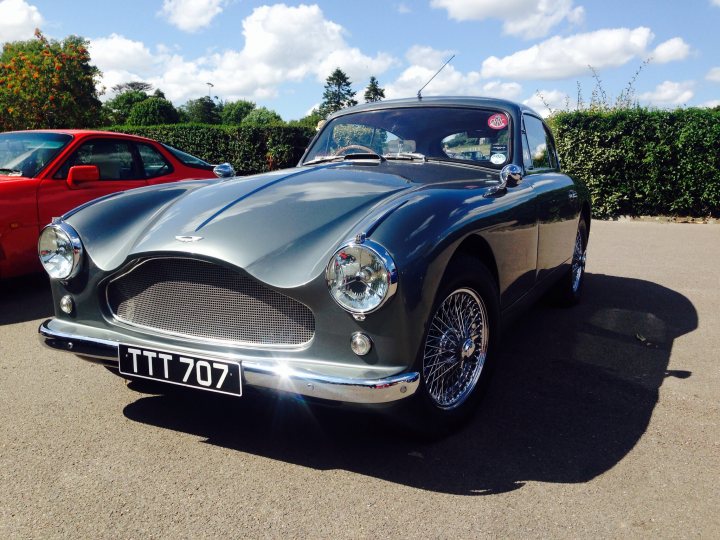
(373, 92)
(338, 93)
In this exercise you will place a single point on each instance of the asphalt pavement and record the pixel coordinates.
(601, 421)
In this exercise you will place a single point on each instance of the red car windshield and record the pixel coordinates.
(27, 153)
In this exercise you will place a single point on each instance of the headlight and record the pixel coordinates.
(60, 250)
(361, 277)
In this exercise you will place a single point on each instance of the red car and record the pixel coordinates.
(43, 174)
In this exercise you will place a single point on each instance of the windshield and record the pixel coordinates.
(475, 136)
(27, 153)
(188, 159)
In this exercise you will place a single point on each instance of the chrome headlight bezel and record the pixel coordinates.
(388, 268)
(74, 248)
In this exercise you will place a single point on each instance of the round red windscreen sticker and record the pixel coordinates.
(498, 121)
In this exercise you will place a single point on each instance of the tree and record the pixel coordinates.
(233, 112)
(262, 117)
(151, 112)
(202, 111)
(373, 92)
(338, 93)
(117, 110)
(311, 121)
(134, 86)
(48, 84)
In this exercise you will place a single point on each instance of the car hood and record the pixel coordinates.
(280, 227)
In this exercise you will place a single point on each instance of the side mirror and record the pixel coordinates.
(510, 173)
(224, 170)
(82, 173)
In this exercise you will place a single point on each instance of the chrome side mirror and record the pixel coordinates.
(224, 170)
(511, 173)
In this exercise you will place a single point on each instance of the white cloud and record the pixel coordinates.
(123, 60)
(714, 73)
(671, 50)
(555, 99)
(669, 93)
(561, 57)
(404, 9)
(116, 52)
(424, 63)
(18, 20)
(526, 18)
(504, 90)
(712, 103)
(715, 2)
(282, 44)
(191, 15)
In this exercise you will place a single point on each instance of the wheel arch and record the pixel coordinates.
(585, 215)
(477, 247)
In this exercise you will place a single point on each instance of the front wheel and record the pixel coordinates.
(569, 289)
(455, 359)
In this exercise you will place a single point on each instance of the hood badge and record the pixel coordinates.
(188, 238)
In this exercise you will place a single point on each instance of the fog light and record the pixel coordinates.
(360, 344)
(66, 304)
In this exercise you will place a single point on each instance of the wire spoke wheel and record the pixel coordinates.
(456, 348)
(578, 261)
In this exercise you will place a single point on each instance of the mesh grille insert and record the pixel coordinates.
(199, 299)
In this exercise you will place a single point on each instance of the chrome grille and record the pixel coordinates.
(198, 299)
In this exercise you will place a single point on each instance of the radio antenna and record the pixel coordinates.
(419, 94)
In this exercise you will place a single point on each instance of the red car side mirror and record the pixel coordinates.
(82, 173)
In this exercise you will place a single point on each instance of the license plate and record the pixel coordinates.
(182, 369)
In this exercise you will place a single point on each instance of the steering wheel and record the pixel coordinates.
(343, 149)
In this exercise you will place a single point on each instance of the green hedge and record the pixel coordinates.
(644, 162)
(250, 149)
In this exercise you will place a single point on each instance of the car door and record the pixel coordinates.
(556, 197)
(119, 166)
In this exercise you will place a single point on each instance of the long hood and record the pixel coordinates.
(280, 227)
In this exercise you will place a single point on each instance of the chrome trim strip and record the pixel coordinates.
(280, 377)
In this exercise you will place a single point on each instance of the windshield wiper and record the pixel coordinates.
(406, 156)
(346, 157)
(11, 172)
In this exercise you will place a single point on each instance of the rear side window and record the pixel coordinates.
(153, 162)
(188, 159)
(538, 147)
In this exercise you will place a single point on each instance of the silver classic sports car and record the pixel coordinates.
(379, 269)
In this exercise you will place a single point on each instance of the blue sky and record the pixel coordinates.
(279, 54)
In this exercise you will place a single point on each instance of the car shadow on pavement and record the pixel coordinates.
(25, 298)
(573, 393)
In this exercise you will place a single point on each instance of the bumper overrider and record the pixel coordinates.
(272, 375)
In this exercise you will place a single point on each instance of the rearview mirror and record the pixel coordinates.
(82, 173)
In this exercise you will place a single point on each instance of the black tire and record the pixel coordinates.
(455, 363)
(568, 291)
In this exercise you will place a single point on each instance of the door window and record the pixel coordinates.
(153, 161)
(113, 158)
(538, 147)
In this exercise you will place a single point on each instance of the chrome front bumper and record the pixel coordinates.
(272, 375)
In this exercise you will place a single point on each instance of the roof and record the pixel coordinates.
(81, 132)
(437, 101)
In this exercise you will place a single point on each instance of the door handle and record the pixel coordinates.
(572, 195)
